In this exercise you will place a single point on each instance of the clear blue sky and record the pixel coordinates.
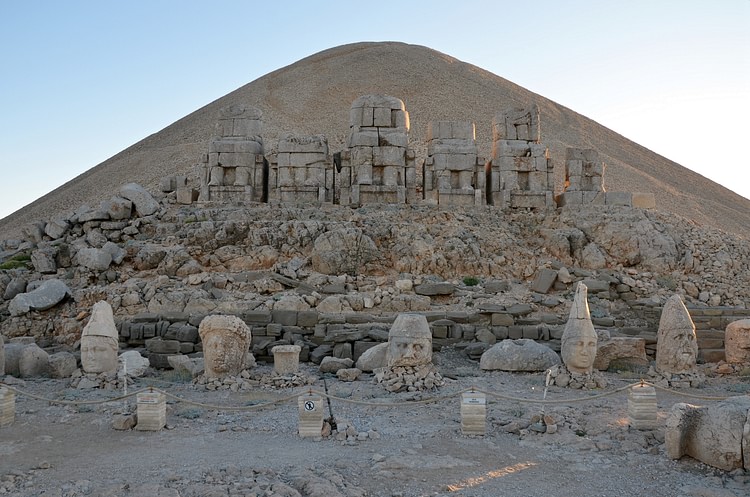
(82, 80)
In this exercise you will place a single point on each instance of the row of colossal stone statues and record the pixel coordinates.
(378, 165)
(227, 342)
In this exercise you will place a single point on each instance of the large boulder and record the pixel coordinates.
(95, 259)
(132, 363)
(33, 361)
(333, 364)
(518, 355)
(373, 358)
(718, 435)
(342, 251)
(144, 203)
(62, 365)
(737, 341)
(631, 348)
(186, 366)
(45, 296)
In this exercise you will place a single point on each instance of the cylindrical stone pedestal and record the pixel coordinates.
(310, 415)
(473, 413)
(151, 411)
(286, 359)
(7, 406)
(642, 407)
(737, 341)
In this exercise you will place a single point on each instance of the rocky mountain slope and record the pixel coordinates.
(313, 95)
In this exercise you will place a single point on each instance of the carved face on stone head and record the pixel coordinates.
(226, 340)
(98, 354)
(579, 351)
(676, 344)
(221, 356)
(409, 341)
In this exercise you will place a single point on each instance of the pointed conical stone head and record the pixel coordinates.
(676, 344)
(579, 340)
(99, 340)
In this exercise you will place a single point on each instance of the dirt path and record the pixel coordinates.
(54, 450)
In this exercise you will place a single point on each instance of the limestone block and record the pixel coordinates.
(247, 127)
(144, 203)
(15, 286)
(43, 260)
(33, 361)
(62, 365)
(186, 195)
(361, 155)
(45, 296)
(7, 406)
(544, 280)
(56, 228)
(642, 408)
(631, 348)
(570, 199)
(373, 358)
(311, 409)
(512, 148)
(531, 200)
(624, 199)
(714, 435)
(644, 200)
(333, 364)
(473, 413)
(93, 258)
(737, 341)
(151, 411)
(389, 156)
(188, 366)
(435, 288)
(392, 138)
(133, 364)
(286, 359)
(381, 117)
(518, 355)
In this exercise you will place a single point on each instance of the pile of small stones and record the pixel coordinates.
(248, 380)
(682, 380)
(409, 378)
(562, 377)
(346, 433)
(104, 381)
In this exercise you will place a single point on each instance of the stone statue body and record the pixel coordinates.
(676, 344)
(226, 340)
(409, 341)
(579, 339)
(99, 341)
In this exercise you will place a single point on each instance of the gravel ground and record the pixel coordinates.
(412, 450)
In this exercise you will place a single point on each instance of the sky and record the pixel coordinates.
(82, 80)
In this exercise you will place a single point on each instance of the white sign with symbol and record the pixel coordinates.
(309, 405)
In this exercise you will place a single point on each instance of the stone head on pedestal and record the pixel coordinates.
(579, 339)
(226, 340)
(409, 341)
(99, 341)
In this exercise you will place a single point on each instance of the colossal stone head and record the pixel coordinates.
(99, 341)
(226, 340)
(676, 344)
(579, 339)
(409, 341)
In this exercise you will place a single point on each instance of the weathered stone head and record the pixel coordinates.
(409, 341)
(676, 344)
(736, 342)
(579, 339)
(99, 341)
(226, 340)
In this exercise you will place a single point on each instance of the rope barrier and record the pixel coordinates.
(431, 400)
